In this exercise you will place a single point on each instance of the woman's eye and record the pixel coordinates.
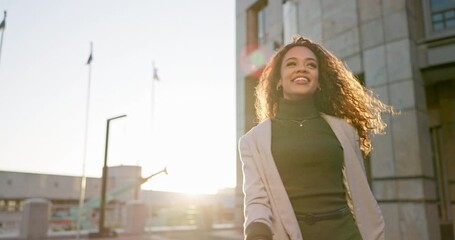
(290, 64)
(312, 65)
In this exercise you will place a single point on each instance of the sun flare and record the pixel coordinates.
(179, 180)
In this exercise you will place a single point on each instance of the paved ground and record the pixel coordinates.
(191, 234)
(224, 234)
(187, 235)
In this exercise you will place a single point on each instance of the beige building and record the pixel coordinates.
(164, 209)
(405, 52)
(63, 192)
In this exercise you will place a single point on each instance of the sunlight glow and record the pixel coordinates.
(193, 116)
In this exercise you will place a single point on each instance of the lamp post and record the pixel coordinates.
(102, 231)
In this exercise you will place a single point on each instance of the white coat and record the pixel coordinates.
(266, 199)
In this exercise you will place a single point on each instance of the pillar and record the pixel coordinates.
(402, 171)
(136, 215)
(35, 219)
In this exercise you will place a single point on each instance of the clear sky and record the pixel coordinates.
(43, 89)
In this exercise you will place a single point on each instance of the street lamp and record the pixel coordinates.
(102, 231)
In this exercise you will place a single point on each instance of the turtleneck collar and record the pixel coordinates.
(297, 109)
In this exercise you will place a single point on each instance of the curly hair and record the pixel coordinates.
(341, 95)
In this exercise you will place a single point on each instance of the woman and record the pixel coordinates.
(304, 176)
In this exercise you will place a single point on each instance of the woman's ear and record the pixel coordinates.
(279, 85)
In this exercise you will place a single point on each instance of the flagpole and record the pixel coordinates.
(152, 102)
(87, 113)
(3, 26)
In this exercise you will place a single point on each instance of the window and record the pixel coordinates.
(439, 19)
(250, 99)
(255, 54)
(440, 168)
(12, 207)
(290, 22)
(256, 24)
(442, 14)
(367, 159)
(262, 33)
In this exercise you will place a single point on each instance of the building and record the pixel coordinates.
(165, 209)
(63, 192)
(405, 52)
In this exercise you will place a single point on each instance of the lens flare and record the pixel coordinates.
(253, 58)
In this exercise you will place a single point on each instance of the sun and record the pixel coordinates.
(182, 180)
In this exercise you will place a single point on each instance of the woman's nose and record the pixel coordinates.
(301, 68)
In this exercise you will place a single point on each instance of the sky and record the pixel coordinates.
(185, 121)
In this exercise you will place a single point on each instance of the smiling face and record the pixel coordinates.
(299, 73)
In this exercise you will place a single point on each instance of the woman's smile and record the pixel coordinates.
(299, 73)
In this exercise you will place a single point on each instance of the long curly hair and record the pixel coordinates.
(341, 94)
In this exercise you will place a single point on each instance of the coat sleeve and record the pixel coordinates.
(256, 200)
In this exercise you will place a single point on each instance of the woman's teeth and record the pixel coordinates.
(301, 80)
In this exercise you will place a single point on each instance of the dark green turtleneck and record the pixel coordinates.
(309, 158)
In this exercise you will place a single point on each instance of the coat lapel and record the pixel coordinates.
(278, 193)
(362, 202)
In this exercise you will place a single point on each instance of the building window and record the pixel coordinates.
(256, 25)
(290, 22)
(440, 168)
(442, 14)
(2, 205)
(367, 159)
(251, 83)
(12, 207)
(262, 33)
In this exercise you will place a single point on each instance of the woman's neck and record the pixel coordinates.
(297, 109)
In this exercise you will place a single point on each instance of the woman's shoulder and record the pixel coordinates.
(335, 119)
(343, 123)
(258, 129)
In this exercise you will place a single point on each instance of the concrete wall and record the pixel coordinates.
(18, 185)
